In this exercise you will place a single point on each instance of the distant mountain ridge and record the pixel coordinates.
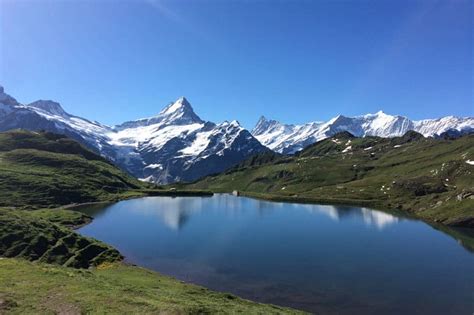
(175, 145)
(288, 139)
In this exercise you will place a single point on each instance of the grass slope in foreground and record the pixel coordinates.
(429, 178)
(27, 288)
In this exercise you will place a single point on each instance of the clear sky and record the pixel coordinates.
(291, 60)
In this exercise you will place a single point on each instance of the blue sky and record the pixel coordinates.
(295, 61)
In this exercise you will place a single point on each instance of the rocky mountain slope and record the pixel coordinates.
(288, 139)
(177, 145)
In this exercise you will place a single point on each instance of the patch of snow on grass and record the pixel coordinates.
(347, 149)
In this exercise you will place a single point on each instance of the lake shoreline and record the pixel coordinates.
(466, 223)
(145, 193)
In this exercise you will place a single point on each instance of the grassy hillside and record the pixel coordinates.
(45, 170)
(32, 288)
(428, 178)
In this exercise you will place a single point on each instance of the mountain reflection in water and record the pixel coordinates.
(175, 212)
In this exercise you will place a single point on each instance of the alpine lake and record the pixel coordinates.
(317, 258)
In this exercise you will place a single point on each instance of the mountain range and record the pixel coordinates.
(289, 139)
(177, 145)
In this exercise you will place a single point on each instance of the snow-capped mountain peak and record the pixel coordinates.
(380, 113)
(264, 125)
(262, 122)
(49, 107)
(179, 106)
(179, 112)
(232, 124)
(177, 145)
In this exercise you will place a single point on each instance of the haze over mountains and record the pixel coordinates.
(177, 145)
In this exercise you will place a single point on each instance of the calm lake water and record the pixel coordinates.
(328, 259)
